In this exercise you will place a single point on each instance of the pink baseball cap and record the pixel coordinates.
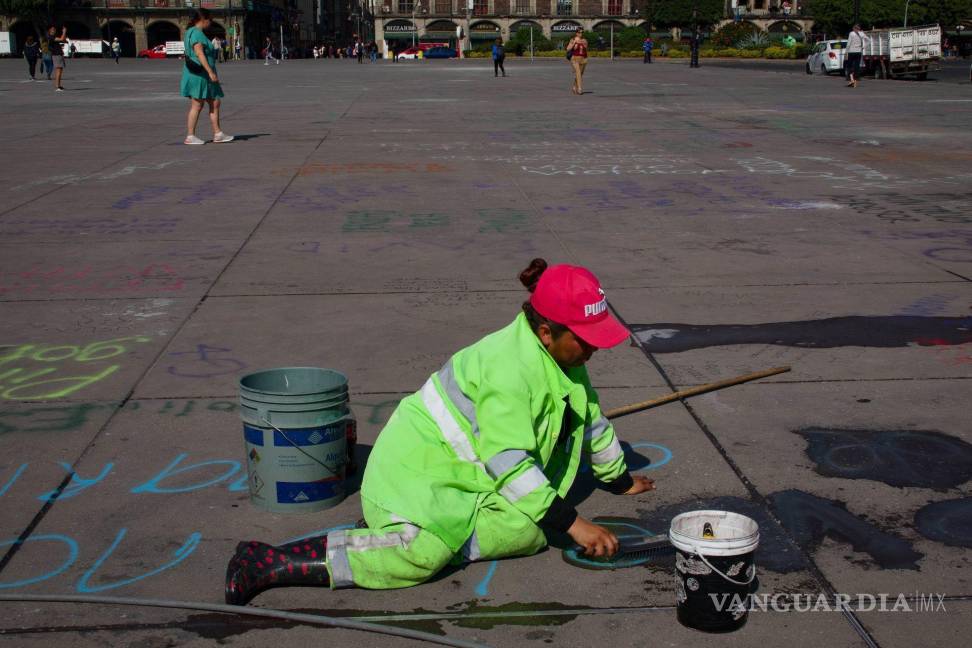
(572, 296)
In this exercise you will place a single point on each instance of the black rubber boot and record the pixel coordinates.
(256, 567)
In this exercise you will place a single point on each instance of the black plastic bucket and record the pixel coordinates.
(714, 575)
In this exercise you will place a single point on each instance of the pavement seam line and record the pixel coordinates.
(49, 504)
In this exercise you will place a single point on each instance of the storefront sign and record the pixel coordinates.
(399, 28)
(565, 27)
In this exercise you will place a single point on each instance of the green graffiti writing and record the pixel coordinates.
(65, 418)
(37, 372)
(383, 220)
(501, 220)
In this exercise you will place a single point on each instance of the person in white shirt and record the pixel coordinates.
(855, 50)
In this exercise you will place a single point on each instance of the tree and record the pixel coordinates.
(837, 16)
(37, 12)
(679, 13)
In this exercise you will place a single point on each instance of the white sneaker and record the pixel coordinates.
(222, 138)
(193, 140)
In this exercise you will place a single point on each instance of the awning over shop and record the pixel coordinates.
(484, 30)
(399, 30)
(564, 29)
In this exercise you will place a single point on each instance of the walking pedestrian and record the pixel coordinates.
(55, 44)
(359, 51)
(268, 52)
(499, 55)
(31, 53)
(646, 47)
(855, 50)
(577, 55)
(239, 49)
(199, 81)
(115, 49)
(47, 63)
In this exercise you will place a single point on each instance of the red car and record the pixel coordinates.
(155, 52)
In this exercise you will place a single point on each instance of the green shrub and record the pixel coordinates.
(730, 33)
(776, 52)
(756, 40)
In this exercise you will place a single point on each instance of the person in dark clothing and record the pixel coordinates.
(31, 53)
(696, 42)
(55, 45)
(646, 47)
(499, 55)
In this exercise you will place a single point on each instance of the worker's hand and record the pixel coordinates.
(641, 485)
(596, 540)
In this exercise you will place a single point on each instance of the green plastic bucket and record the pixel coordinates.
(296, 429)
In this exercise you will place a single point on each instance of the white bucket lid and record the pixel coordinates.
(734, 533)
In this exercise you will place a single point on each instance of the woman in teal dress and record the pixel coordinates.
(199, 80)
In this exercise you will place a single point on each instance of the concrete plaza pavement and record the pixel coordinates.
(374, 218)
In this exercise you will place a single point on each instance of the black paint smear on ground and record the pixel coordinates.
(920, 458)
(809, 519)
(948, 522)
(776, 552)
(885, 332)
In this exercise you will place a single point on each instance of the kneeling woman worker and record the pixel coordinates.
(476, 465)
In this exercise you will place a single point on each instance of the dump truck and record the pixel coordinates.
(902, 51)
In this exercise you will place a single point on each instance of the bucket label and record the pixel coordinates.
(300, 492)
(252, 435)
(308, 436)
(256, 484)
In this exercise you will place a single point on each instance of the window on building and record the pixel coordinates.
(614, 7)
(565, 7)
(759, 4)
(406, 6)
(523, 7)
(443, 7)
(480, 7)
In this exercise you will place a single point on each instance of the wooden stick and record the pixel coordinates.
(692, 391)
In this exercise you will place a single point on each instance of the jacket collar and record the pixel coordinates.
(557, 380)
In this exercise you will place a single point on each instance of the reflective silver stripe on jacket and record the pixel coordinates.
(337, 560)
(447, 378)
(503, 462)
(608, 454)
(453, 434)
(470, 550)
(339, 543)
(596, 429)
(529, 481)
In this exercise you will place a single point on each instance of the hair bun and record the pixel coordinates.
(531, 275)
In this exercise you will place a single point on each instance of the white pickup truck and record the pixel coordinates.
(904, 51)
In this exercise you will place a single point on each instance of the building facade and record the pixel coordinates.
(403, 22)
(142, 24)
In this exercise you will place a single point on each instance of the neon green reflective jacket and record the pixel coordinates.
(491, 420)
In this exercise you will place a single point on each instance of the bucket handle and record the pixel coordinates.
(712, 567)
(301, 450)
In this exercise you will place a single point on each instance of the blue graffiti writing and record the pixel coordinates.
(77, 485)
(179, 555)
(153, 484)
(205, 365)
(72, 547)
(10, 482)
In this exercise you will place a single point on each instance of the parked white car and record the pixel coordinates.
(827, 57)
